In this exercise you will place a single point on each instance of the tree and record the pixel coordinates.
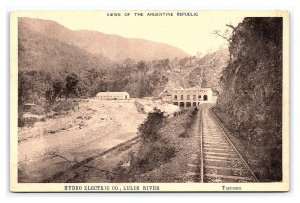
(25, 86)
(143, 67)
(128, 62)
(227, 35)
(49, 96)
(182, 62)
(71, 85)
(57, 88)
(160, 65)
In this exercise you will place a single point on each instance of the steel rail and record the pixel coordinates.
(236, 150)
(201, 146)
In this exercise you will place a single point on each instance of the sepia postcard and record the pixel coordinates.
(149, 101)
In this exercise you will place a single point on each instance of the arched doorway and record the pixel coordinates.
(205, 98)
(181, 104)
(188, 104)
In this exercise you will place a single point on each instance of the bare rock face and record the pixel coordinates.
(251, 94)
(252, 81)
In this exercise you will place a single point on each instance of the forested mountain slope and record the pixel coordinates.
(114, 47)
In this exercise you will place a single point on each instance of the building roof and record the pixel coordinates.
(193, 88)
(112, 93)
(29, 104)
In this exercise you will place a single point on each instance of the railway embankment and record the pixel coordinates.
(167, 144)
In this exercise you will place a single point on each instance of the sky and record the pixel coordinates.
(191, 34)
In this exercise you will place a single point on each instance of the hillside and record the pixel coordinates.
(114, 47)
(251, 97)
(192, 71)
(50, 54)
(40, 52)
(209, 70)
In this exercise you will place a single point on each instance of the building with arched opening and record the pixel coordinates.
(113, 95)
(191, 97)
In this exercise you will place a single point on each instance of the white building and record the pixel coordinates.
(191, 97)
(112, 95)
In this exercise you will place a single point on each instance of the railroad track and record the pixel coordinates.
(220, 160)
